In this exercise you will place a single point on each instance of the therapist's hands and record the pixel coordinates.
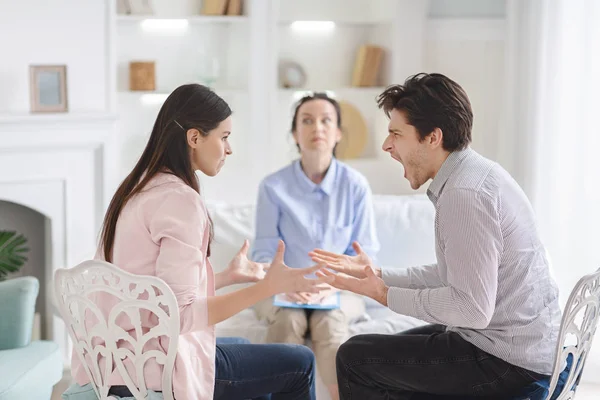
(370, 285)
(311, 298)
(349, 265)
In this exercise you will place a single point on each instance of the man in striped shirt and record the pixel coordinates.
(490, 299)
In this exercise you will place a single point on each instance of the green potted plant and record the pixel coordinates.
(12, 252)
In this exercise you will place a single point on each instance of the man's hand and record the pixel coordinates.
(349, 265)
(243, 270)
(371, 285)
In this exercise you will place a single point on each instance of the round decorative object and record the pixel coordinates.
(354, 133)
(291, 75)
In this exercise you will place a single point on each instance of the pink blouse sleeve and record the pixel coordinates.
(178, 226)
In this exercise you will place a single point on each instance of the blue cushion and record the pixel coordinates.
(30, 372)
(86, 392)
(17, 307)
(539, 390)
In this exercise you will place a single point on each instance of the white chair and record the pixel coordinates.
(577, 329)
(101, 344)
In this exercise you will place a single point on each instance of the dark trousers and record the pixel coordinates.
(424, 363)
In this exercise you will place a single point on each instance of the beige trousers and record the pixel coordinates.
(328, 328)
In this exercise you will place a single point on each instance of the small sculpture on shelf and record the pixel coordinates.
(291, 75)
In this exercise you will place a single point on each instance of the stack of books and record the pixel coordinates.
(222, 7)
(367, 65)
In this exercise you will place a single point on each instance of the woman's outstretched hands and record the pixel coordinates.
(243, 270)
(282, 279)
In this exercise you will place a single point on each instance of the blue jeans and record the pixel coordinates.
(263, 371)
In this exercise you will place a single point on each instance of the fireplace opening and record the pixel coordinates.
(35, 227)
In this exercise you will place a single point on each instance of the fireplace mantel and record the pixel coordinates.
(63, 166)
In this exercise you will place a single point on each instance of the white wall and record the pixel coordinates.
(482, 78)
(71, 32)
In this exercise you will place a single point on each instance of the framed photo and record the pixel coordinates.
(48, 86)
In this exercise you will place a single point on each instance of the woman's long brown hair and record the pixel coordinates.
(189, 106)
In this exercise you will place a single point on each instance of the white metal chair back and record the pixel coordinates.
(100, 341)
(577, 329)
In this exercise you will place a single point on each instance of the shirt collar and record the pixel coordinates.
(328, 183)
(453, 160)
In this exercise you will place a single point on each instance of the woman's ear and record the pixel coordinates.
(193, 137)
(338, 136)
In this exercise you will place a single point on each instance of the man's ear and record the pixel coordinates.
(436, 138)
(193, 137)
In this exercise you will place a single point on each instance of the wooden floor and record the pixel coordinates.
(585, 392)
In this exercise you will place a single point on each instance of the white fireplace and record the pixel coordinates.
(64, 167)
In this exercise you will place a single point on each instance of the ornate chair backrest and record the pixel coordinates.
(577, 329)
(115, 320)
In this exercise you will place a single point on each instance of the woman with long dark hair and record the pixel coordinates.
(157, 224)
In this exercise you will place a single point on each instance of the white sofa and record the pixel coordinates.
(405, 231)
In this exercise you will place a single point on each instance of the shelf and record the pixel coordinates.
(196, 19)
(336, 21)
(137, 93)
(51, 118)
(158, 97)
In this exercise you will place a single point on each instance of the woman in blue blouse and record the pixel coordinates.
(316, 202)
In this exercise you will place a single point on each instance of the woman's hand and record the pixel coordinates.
(349, 265)
(282, 279)
(243, 270)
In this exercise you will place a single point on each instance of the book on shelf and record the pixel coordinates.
(367, 66)
(222, 7)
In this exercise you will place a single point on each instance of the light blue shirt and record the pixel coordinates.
(306, 216)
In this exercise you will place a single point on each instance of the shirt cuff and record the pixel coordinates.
(403, 301)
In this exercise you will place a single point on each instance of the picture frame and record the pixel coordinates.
(48, 88)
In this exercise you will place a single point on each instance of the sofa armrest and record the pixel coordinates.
(17, 308)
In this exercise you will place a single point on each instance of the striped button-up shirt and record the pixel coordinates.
(492, 282)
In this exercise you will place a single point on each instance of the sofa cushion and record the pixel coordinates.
(29, 370)
(404, 227)
(232, 225)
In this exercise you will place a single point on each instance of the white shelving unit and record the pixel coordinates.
(324, 39)
(249, 49)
